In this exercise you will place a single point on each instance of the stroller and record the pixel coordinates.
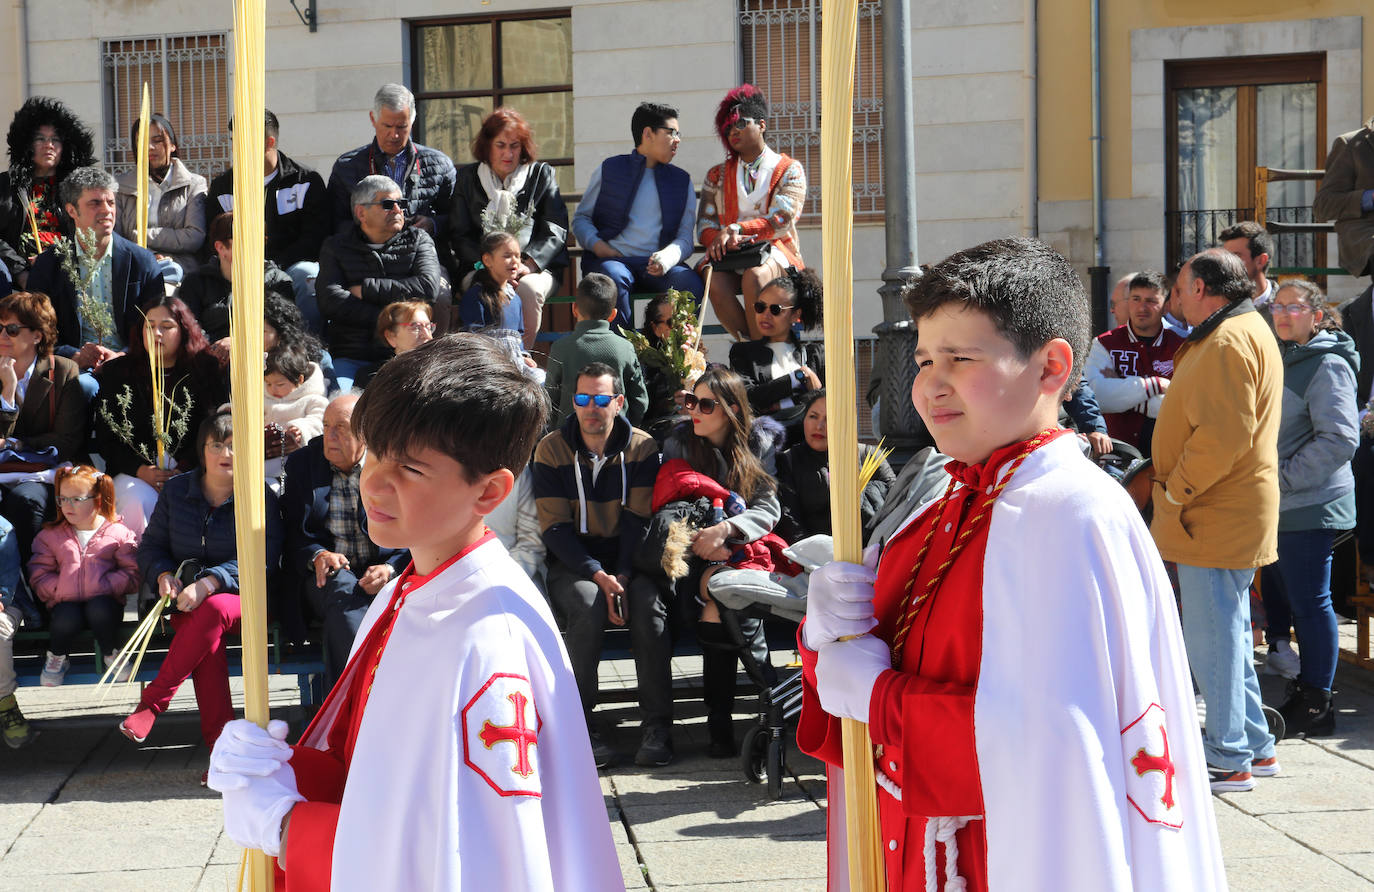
(747, 597)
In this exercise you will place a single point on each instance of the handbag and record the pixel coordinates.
(744, 257)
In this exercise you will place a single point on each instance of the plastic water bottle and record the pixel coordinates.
(717, 511)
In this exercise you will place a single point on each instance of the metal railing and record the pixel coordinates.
(1297, 240)
(1293, 229)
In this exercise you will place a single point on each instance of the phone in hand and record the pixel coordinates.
(619, 601)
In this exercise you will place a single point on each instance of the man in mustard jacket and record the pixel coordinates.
(1216, 501)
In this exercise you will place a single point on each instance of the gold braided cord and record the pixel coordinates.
(911, 606)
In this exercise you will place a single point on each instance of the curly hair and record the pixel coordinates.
(78, 146)
(745, 101)
(803, 286)
(33, 310)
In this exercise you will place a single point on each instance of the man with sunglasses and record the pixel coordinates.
(636, 215)
(593, 488)
(376, 261)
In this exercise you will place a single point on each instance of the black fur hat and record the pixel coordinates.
(77, 142)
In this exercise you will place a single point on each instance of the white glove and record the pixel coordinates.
(839, 601)
(253, 813)
(245, 751)
(846, 672)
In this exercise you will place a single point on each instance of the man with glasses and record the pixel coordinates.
(1129, 367)
(376, 261)
(591, 341)
(593, 488)
(636, 216)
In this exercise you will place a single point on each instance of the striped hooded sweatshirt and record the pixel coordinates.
(593, 510)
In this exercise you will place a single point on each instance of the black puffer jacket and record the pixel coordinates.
(206, 294)
(405, 268)
(548, 245)
(427, 186)
(296, 208)
(16, 182)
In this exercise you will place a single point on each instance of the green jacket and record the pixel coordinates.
(593, 341)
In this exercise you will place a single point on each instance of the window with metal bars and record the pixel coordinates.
(463, 69)
(188, 80)
(780, 46)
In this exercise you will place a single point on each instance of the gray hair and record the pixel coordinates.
(369, 186)
(83, 178)
(394, 97)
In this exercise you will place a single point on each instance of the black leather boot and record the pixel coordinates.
(1307, 711)
(719, 666)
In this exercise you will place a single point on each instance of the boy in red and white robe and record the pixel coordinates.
(452, 753)
(1036, 728)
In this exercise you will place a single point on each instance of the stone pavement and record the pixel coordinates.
(83, 808)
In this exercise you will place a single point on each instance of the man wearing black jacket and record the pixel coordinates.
(376, 261)
(297, 218)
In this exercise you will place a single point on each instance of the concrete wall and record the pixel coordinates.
(969, 79)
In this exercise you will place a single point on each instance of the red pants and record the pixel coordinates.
(198, 652)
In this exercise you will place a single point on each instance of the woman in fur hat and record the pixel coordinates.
(751, 200)
(47, 141)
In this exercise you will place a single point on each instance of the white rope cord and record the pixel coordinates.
(943, 830)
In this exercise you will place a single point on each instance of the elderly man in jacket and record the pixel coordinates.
(376, 261)
(1216, 501)
(328, 551)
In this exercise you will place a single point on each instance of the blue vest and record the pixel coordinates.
(620, 176)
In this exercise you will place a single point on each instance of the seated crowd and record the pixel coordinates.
(114, 373)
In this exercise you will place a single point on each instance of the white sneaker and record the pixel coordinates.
(54, 670)
(1282, 661)
(124, 671)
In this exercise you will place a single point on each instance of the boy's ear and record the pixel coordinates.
(1058, 363)
(614, 313)
(497, 485)
(577, 317)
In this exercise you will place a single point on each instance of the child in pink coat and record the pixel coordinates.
(83, 565)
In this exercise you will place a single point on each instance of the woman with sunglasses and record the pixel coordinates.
(779, 368)
(47, 141)
(723, 441)
(41, 405)
(1318, 434)
(750, 202)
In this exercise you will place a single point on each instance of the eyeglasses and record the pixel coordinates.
(419, 328)
(48, 141)
(742, 123)
(74, 500)
(666, 321)
(704, 404)
(386, 204)
(775, 309)
(673, 133)
(1289, 309)
(602, 400)
(14, 328)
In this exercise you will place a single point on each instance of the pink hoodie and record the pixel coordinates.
(60, 570)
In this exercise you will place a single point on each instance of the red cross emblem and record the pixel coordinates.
(487, 721)
(524, 737)
(1143, 763)
(1150, 770)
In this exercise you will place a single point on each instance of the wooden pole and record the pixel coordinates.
(245, 366)
(838, 37)
(141, 151)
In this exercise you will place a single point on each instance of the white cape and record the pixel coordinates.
(438, 797)
(1068, 737)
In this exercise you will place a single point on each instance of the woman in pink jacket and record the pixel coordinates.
(83, 565)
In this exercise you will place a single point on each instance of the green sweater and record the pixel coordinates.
(593, 341)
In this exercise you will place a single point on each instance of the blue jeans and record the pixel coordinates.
(1216, 634)
(631, 274)
(303, 275)
(1297, 593)
(345, 370)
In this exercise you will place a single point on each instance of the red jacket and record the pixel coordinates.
(678, 481)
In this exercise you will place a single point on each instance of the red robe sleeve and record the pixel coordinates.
(309, 856)
(818, 732)
(939, 761)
